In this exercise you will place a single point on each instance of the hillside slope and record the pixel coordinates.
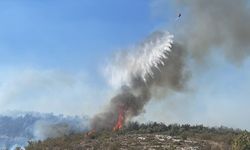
(17, 128)
(149, 136)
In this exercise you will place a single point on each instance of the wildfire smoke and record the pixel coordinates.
(155, 63)
(158, 65)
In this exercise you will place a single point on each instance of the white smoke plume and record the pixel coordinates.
(139, 61)
(155, 63)
(17, 128)
(158, 65)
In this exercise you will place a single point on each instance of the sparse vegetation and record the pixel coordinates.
(242, 142)
(152, 135)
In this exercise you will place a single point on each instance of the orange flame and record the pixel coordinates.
(120, 120)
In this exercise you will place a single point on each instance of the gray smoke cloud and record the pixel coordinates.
(57, 126)
(17, 127)
(208, 26)
(216, 25)
(168, 76)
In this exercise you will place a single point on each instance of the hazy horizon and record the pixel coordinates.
(52, 55)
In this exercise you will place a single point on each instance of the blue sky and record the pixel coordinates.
(65, 34)
(52, 52)
(50, 38)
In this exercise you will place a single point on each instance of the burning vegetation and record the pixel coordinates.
(120, 120)
(152, 136)
(156, 63)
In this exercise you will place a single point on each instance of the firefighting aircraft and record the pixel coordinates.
(178, 16)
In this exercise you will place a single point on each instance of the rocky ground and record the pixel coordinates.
(149, 142)
(152, 136)
(154, 141)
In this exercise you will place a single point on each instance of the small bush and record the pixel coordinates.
(242, 142)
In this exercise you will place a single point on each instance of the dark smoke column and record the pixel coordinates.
(157, 63)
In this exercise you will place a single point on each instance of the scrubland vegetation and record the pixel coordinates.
(152, 136)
